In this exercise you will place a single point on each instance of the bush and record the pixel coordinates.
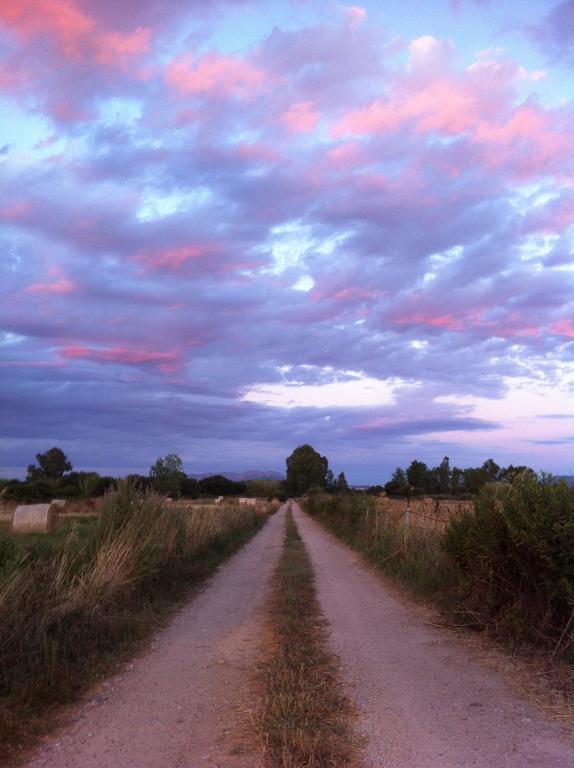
(515, 555)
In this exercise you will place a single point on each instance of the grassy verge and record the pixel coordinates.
(306, 718)
(75, 603)
(414, 557)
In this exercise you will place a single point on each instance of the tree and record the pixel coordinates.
(342, 485)
(167, 474)
(330, 484)
(190, 487)
(491, 468)
(398, 482)
(52, 465)
(305, 469)
(218, 485)
(418, 474)
(476, 477)
(456, 478)
(444, 476)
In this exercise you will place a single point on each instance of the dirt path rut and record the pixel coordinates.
(425, 701)
(175, 706)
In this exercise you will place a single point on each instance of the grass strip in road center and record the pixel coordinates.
(306, 718)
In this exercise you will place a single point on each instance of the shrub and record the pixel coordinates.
(515, 555)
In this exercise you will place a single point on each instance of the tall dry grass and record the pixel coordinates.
(414, 555)
(74, 603)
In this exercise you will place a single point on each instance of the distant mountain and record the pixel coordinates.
(248, 474)
(568, 479)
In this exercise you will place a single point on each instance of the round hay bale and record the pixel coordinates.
(35, 518)
(59, 503)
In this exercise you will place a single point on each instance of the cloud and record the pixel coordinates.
(166, 361)
(555, 31)
(213, 74)
(203, 233)
(59, 287)
(301, 117)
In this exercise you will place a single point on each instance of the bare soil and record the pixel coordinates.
(184, 703)
(426, 700)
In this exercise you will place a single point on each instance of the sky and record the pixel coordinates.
(228, 228)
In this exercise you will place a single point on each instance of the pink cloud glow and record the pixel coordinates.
(167, 362)
(61, 287)
(448, 322)
(15, 210)
(355, 14)
(443, 105)
(174, 258)
(213, 74)
(346, 156)
(301, 117)
(75, 33)
(563, 328)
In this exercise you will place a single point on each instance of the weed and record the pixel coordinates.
(305, 717)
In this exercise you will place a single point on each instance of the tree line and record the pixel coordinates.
(443, 479)
(53, 475)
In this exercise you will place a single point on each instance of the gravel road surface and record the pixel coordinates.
(425, 701)
(177, 706)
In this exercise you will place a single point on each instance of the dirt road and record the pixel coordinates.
(426, 702)
(177, 705)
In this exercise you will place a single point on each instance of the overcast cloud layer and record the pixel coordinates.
(228, 228)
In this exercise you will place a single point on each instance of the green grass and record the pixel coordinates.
(75, 603)
(306, 718)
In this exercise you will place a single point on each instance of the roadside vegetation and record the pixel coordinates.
(75, 602)
(506, 567)
(306, 719)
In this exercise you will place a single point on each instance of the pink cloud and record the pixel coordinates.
(75, 33)
(563, 328)
(562, 218)
(168, 362)
(12, 77)
(349, 295)
(60, 287)
(15, 210)
(354, 14)
(348, 155)
(526, 122)
(442, 105)
(213, 74)
(532, 141)
(447, 321)
(116, 49)
(301, 118)
(174, 258)
(60, 18)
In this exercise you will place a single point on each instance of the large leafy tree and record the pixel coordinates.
(305, 469)
(51, 465)
(418, 474)
(167, 474)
